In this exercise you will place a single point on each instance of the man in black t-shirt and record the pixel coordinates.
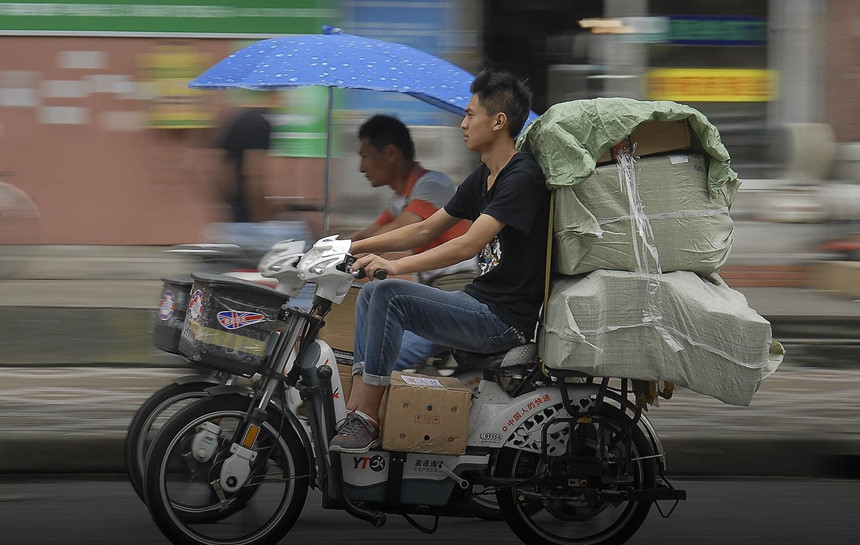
(508, 203)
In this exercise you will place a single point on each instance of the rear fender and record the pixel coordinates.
(646, 427)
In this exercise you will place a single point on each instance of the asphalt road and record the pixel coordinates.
(81, 511)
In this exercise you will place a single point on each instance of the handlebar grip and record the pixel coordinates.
(379, 274)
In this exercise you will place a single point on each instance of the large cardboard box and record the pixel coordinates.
(661, 218)
(425, 414)
(339, 330)
(653, 137)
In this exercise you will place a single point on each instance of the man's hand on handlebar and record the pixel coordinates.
(374, 266)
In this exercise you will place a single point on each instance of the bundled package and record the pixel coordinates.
(660, 217)
(679, 327)
(641, 212)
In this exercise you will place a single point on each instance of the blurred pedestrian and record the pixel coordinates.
(244, 145)
(243, 176)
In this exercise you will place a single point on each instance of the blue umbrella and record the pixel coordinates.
(334, 59)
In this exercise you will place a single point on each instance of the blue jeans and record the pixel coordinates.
(387, 308)
(414, 350)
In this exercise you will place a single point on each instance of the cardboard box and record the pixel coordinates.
(425, 414)
(839, 276)
(653, 137)
(339, 330)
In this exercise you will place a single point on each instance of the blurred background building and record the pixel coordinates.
(99, 129)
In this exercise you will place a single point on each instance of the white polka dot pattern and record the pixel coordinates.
(342, 60)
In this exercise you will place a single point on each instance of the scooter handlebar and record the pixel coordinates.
(379, 274)
(360, 273)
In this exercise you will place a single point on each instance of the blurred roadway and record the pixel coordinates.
(761, 512)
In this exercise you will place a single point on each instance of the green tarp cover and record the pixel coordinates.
(567, 138)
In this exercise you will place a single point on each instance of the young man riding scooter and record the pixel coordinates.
(508, 203)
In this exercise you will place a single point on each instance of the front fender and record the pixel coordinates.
(188, 379)
(227, 389)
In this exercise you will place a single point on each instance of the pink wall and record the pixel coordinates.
(842, 69)
(97, 174)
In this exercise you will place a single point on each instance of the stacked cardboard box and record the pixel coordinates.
(339, 330)
(661, 211)
(679, 327)
(638, 242)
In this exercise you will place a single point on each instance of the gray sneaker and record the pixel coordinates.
(356, 435)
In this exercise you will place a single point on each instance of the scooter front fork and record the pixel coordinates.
(237, 468)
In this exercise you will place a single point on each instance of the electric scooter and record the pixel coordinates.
(570, 458)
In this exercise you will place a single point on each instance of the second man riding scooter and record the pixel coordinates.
(388, 159)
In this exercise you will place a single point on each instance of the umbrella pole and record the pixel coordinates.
(327, 182)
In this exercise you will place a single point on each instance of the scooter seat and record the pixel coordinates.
(519, 355)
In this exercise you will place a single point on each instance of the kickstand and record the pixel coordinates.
(668, 485)
(672, 510)
(414, 523)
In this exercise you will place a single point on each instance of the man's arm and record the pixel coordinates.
(467, 246)
(405, 218)
(413, 235)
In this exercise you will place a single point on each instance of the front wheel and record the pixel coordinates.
(184, 494)
(584, 499)
(148, 420)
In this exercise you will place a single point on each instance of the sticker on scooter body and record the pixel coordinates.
(233, 319)
(519, 422)
(167, 306)
(195, 306)
(365, 469)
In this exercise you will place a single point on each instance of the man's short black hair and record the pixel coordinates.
(382, 130)
(503, 92)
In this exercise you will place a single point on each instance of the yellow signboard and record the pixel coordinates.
(711, 84)
(168, 69)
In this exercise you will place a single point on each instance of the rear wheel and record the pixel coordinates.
(184, 494)
(580, 501)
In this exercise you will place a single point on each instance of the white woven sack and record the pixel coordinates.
(679, 327)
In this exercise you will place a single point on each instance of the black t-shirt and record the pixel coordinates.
(249, 130)
(513, 265)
